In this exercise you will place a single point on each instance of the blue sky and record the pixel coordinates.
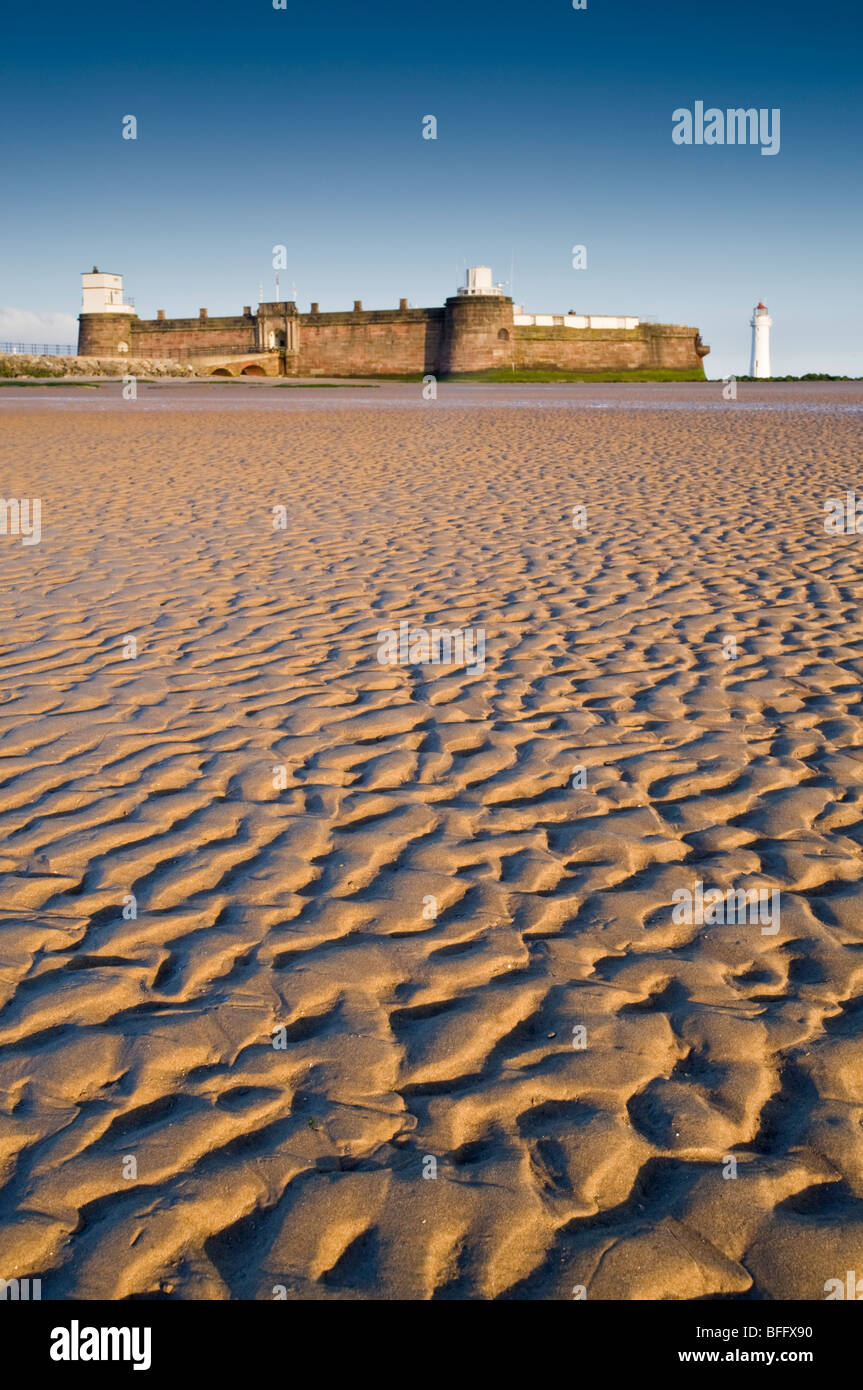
(302, 126)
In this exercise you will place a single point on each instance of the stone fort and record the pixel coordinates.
(477, 329)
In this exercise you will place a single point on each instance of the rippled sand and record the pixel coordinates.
(153, 1140)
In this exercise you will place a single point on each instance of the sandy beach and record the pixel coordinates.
(323, 977)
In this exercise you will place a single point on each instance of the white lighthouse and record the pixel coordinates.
(761, 324)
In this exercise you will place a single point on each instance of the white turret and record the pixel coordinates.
(102, 293)
(761, 324)
(478, 280)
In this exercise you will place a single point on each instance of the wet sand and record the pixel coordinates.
(253, 832)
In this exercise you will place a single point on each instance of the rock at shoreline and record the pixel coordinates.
(33, 365)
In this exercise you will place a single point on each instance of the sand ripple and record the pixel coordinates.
(410, 1037)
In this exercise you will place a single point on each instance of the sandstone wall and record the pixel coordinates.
(175, 337)
(101, 335)
(478, 333)
(370, 343)
(613, 349)
(471, 333)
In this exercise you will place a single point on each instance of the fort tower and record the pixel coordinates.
(105, 322)
(478, 325)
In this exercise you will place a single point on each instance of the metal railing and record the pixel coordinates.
(40, 349)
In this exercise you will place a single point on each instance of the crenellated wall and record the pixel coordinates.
(374, 342)
(472, 333)
(656, 345)
(174, 337)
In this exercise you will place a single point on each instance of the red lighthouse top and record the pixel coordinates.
(759, 305)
